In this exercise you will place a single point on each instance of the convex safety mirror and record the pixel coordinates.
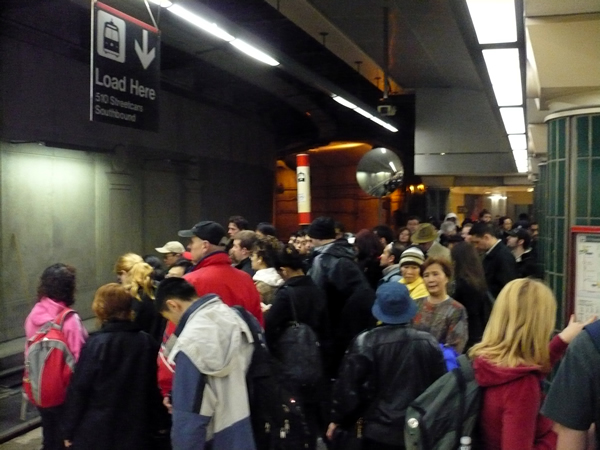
(379, 172)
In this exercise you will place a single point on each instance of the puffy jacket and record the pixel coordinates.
(215, 275)
(349, 295)
(46, 310)
(384, 370)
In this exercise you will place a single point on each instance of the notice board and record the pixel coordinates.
(585, 272)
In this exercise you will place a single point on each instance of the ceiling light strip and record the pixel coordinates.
(495, 21)
(348, 104)
(218, 32)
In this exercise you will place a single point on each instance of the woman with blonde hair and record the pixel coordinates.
(511, 360)
(136, 277)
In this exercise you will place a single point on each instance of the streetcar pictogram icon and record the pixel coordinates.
(110, 36)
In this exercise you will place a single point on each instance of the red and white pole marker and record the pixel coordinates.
(303, 179)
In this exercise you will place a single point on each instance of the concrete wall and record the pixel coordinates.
(83, 193)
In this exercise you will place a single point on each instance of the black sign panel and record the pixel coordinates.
(125, 75)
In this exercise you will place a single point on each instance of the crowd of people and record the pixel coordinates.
(170, 365)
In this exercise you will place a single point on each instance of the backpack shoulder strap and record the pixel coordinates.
(292, 297)
(593, 329)
(60, 319)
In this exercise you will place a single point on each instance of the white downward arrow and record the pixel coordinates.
(146, 57)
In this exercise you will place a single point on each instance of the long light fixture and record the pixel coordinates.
(348, 104)
(217, 31)
(494, 20)
(521, 160)
(504, 69)
(517, 141)
(514, 120)
(163, 3)
(200, 22)
(254, 52)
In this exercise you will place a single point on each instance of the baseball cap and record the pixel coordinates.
(171, 247)
(521, 233)
(206, 230)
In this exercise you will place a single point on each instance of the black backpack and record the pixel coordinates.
(445, 412)
(277, 416)
(299, 351)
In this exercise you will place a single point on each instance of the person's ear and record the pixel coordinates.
(173, 305)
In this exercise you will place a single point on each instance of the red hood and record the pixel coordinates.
(214, 259)
(488, 374)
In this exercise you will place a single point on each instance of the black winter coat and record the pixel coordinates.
(477, 305)
(349, 296)
(113, 401)
(311, 308)
(385, 369)
(500, 268)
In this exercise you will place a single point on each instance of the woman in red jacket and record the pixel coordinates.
(510, 362)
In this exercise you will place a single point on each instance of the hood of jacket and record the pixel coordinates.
(339, 248)
(45, 311)
(488, 374)
(268, 276)
(213, 336)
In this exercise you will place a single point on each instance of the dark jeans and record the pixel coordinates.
(51, 427)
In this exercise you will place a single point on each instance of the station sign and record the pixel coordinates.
(125, 70)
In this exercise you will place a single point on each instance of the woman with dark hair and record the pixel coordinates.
(505, 224)
(309, 302)
(470, 289)
(404, 237)
(438, 313)
(369, 248)
(56, 292)
(266, 279)
(113, 401)
(264, 229)
(158, 272)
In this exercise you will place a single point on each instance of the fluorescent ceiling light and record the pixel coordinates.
(393, 166)
(518, 141)
(385, 125)
(521, 160)
(514, 120)
(163, 3)
(342, 101)
(254, 52)
(504, 68)
(495, 21)
(362, 112)
(201, 23)
(497, 197)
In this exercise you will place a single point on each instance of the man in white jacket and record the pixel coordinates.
(212, 352)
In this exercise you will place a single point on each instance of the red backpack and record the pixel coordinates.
(49, 364)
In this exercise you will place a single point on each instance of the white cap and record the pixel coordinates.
(171, 247)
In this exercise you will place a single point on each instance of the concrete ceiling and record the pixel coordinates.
(431, 55)
(563, 43)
